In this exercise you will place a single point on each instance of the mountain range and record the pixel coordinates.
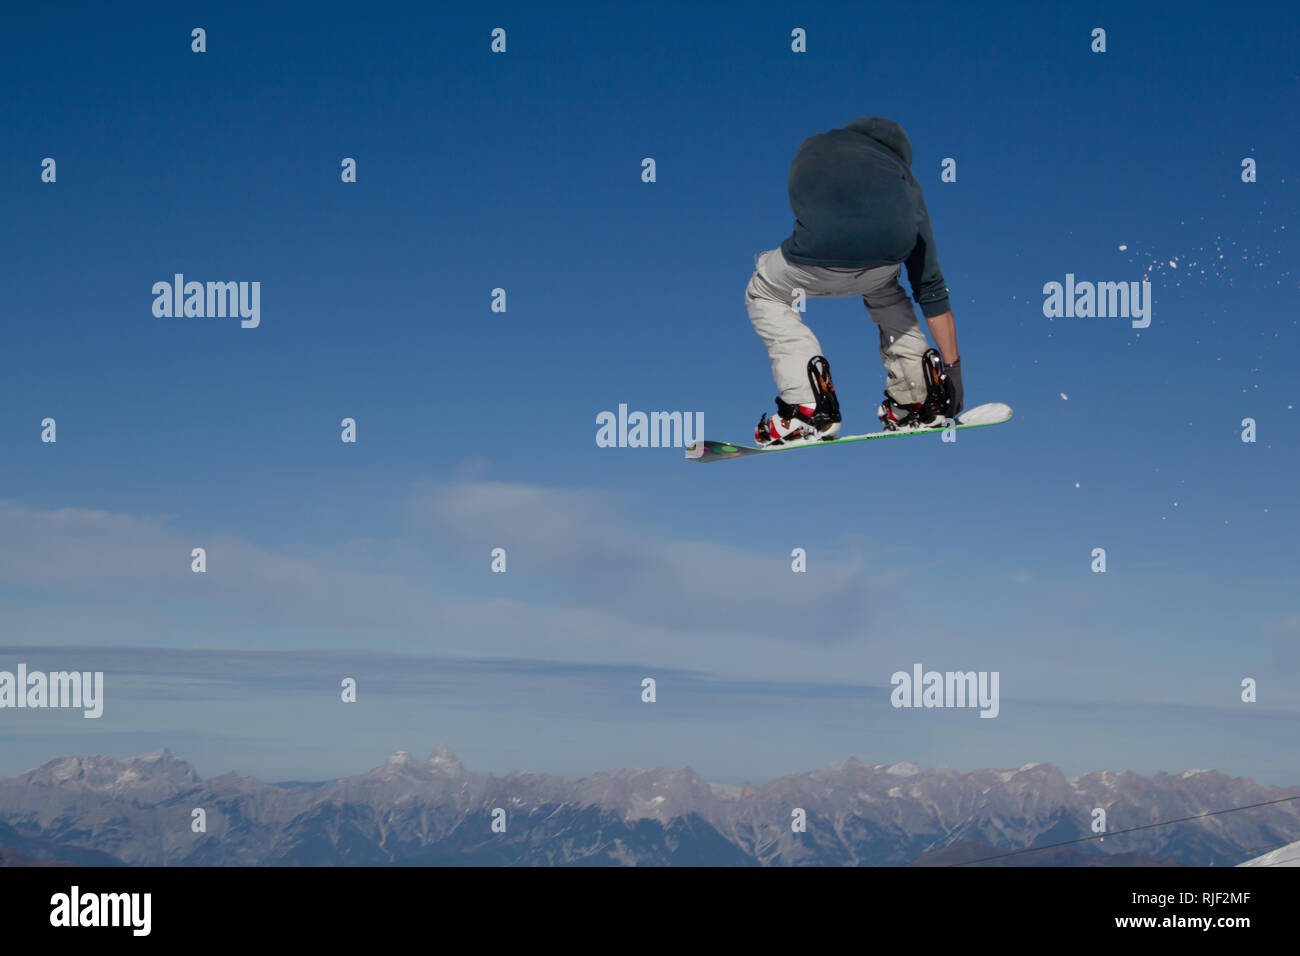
(139, 811)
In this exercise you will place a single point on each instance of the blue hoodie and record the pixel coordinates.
(857, 205)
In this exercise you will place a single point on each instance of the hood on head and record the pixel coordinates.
(886, 132)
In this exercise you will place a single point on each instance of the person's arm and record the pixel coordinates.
(928, 286)
(931, 294)
(944, 331)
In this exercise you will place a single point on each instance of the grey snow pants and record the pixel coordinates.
(770, 297)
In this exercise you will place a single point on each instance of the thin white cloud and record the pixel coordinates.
(586, 582)
(666, 578)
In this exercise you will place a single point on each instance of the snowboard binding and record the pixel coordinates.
(821, 421)
(937, 408)
(939, 399)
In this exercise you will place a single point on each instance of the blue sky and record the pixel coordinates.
(476, 428)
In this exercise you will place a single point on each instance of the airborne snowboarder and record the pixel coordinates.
(860, 217)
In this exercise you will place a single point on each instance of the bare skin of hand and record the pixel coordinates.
(944, 331)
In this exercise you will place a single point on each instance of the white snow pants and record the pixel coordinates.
(770, 297)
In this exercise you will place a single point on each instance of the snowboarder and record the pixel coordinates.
(860, 217)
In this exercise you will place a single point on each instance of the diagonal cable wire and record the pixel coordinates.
(1145, 826)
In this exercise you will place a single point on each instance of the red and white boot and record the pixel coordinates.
(794, 423)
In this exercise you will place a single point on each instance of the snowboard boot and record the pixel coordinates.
(792, 423)
(931, 413)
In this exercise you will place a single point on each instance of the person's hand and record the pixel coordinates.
(956, 394)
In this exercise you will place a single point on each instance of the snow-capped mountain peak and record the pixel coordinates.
(444, 761)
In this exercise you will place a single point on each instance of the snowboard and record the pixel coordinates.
(994, 413)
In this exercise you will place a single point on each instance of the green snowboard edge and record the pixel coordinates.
(994, 413)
